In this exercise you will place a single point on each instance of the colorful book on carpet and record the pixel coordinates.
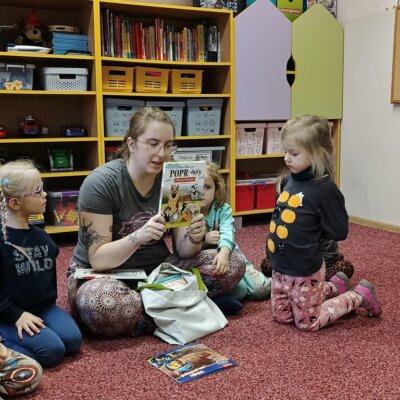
(127, 274)
(181, 192)
(189, 362)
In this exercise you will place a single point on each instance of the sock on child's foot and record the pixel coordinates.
(228, 305)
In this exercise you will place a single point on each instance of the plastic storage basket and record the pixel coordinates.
(249, 139)
(16, 76)
(65, 78)
(203, 116)
(118, 79)
(151, 79)
(117, 114)
(174, 109)
(186, 81)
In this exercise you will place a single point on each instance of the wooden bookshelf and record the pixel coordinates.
(55, 109)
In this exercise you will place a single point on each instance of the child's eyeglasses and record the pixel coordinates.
(154, 147)
(36, 193)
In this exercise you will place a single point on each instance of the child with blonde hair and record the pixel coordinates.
(310, 208)
(221, 234)
(30, 321)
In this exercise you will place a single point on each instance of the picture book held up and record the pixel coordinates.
(189, 362)
(181, 192)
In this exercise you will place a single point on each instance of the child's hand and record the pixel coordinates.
(212, 237)
(221, 261)
(197, 228)
(29, 323)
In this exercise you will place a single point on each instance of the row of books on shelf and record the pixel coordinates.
(124, 38)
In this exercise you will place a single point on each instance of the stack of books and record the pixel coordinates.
(69, 43)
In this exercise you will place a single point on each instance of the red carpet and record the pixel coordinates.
(356, 358)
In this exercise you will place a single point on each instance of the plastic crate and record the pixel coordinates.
(210, 153)
(62, 207)
(16, 76)
(273, 139)
(55, 78)
(250, 139)
(149, 79)
(118, 79)
(186, 81)
(117, 114)
(203, 116)
(174, 109)
(244, 195)
(264, 194)
(111, 152)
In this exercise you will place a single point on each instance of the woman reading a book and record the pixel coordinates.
(121, 228)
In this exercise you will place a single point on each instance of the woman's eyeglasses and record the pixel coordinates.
(36, 193)
(155, 147)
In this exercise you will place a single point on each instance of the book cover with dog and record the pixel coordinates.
(191, 361)
(181, 192)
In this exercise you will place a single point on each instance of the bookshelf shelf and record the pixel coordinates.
(51, 229)
(55, 109)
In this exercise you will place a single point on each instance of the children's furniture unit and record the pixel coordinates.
(290, 69)
(53, 109)
(56, 108)
(217, 77)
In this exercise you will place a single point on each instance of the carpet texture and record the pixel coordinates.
(355, 358)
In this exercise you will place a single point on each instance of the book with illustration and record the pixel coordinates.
(189, 362)
(123, 274)
(174, 282)
(181, 192)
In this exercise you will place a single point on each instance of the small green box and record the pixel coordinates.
(291, 8)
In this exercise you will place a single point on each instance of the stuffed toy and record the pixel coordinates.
(31, 31)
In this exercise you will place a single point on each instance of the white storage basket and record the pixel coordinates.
(65, 78)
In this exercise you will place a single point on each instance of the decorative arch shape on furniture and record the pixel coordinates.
(262, 49)
(270, 51)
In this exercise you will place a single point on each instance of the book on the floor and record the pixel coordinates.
(181, 191)
(128, 274)
(189, 362)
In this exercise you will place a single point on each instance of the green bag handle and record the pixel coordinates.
(157, 286)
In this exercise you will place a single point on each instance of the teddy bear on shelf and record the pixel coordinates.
(31, 31)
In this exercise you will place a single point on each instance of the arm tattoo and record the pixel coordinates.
(132, 237)
(90, 236)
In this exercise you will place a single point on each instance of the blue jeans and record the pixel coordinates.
(60, 338)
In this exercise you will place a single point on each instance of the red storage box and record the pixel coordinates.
(264, 195)
(244, 195)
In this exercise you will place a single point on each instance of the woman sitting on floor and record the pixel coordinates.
(120, 228)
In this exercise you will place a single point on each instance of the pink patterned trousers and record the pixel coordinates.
(310, 301)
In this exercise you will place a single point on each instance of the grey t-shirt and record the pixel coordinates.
(109, 190)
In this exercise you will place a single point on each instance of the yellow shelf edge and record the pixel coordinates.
(133, 4)
(62, 174)
(251, 212)
(61, 229)
(188, 95)
(49, 92)
(259, 156)
(49, 140)
(20, 54)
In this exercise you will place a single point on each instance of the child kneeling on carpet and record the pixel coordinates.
(309, 208)
(221, 235)
(19, 374)
(30, 321)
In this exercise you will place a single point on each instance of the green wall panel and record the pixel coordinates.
(317, 48)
